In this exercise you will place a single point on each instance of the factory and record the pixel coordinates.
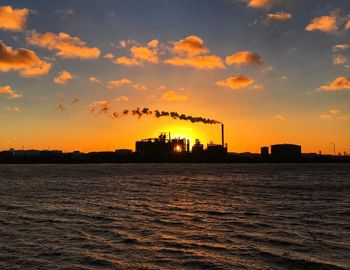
(166, 147)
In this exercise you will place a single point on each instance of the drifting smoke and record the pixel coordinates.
(62, 105)
(158, 114)
(100, 107)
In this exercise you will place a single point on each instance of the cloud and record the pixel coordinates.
(334, 112)
(262, 3)
(64, 45)
(144, 54)
(126, 61)
(13, 19)
(13, 109)
(64, 13)
(200, 62)
(279, 17)
(122, 43)
(23, 60)
(94, 80)
(125, 43)
(340, 83)
(109, 56)
(139, 87)
(9, 92)
(347, 26)
(190, 46)
(122, 99)
(153, 43)
(244, 58)
(340, 47)
(115, 84)
(63, 77)
(173, 96)
(279, 117)
(191, 52)
(138, 56)
(236, 83)
(334, 115)
(323, 24)
(339, 60)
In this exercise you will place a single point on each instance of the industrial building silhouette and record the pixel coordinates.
(164, 148)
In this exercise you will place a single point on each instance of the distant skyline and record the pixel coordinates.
(272, 71)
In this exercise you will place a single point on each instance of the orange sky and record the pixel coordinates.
(254, 65)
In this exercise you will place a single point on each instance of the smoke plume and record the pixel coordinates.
(158, 114)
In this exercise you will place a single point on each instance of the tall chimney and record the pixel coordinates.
(222, 135)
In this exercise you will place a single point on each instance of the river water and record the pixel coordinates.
(175, 216)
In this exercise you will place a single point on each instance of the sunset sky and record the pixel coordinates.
(274, 71)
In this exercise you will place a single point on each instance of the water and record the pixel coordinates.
(174, 216)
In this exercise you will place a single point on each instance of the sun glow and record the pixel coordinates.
(178, 148)
(184, 131)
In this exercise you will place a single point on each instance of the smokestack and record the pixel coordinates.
(222, 135)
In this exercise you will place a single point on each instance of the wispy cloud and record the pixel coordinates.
(64, 45)
(279, 17)
(117, 83)
(140, 87)
(279, 117)
(334, 114)
(94, 80)
(340, 47)
(122, 99)
(9, 92)
(339, 60)
(173, 96)
(64, 13)
(13, 109)
(339, 84)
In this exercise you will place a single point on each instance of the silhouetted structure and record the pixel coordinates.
(216, 152)
(162, 144)
(264, 152)
(167, 149)
(222, 135)
(285, 153)
(197, 148)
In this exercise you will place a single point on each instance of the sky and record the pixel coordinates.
(273, 71)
